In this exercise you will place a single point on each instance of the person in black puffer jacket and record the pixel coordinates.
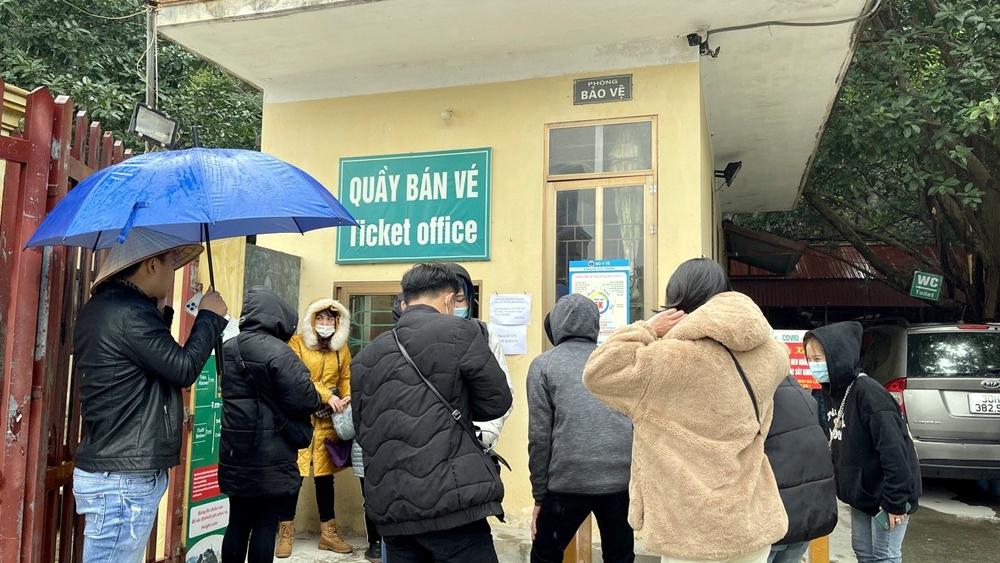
(261, 406)
(797, 448)
(428, 486)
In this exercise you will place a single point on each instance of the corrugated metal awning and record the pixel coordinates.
(762, 250)
(840, 277)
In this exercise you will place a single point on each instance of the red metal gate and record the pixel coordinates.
(40, 293)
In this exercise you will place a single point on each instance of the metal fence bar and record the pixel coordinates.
(20, 391)
(41, 291)
(49, 341)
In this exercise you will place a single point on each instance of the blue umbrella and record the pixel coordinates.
(196, 194)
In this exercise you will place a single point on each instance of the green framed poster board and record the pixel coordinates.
(207, 507)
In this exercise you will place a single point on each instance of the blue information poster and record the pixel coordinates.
(606, 283)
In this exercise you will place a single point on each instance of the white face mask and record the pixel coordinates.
(325, 331)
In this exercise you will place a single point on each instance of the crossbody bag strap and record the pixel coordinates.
(456, 414)
(746, 383)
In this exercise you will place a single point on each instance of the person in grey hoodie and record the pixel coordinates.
(579, 450)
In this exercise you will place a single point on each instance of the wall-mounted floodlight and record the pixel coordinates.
(153, 126)
(729, 174)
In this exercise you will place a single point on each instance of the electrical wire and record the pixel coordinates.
(138, 63)
(711, 32)
(75, 7)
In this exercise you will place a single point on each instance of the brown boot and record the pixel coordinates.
(330, 540)
(286, 535)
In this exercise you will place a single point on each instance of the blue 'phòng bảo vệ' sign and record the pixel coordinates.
(416, 207)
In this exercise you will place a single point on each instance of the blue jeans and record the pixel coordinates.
(791, 553)
(120, 509)
(872, 543)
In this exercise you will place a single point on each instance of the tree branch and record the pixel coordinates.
(949, 304)
(895, 278)
(908, 249)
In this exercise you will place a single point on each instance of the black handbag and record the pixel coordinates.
(298, 433)
(456, 414)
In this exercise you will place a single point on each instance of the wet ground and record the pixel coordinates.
(958, 522)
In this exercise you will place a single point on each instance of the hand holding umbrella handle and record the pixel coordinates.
(212, 301)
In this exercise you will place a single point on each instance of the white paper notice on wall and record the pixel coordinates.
(510, 309)
(514, 339)
(208, 517)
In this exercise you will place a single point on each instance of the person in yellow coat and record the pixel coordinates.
(321, 344)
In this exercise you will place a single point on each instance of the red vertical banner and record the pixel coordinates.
(797, 357)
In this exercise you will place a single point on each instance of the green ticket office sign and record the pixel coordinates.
(208, 508)
(416, 207)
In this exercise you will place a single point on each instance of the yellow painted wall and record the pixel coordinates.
(229, 257)
(510, 118)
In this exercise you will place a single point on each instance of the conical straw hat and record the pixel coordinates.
(143, 243)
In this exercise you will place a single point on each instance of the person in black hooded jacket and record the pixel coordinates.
(873, 456)
(796, 446)
(264, 397)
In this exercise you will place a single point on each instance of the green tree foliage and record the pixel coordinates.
(100, 63)
(911, 153)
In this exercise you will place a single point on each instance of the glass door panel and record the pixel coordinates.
(623, 238)
(576, 214)
(607, 221)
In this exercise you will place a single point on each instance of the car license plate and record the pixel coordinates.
(984, 403)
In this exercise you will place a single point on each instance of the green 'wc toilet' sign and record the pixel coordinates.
(926, 286)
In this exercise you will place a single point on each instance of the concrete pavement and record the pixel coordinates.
(958, 522)
(513, 546)
(304, 550)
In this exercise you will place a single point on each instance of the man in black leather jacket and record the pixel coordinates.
(132, 372)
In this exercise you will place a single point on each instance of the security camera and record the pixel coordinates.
(695, 39)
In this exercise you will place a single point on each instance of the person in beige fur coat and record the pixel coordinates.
(701, 486)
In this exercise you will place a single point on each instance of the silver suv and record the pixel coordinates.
(946, 379)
